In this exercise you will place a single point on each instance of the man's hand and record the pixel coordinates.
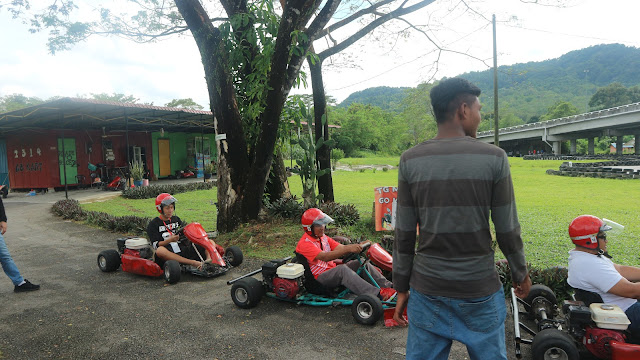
(401, 303)
(3, 227)
(522, 288)
(354, 248)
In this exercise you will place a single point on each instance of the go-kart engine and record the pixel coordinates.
(597, 341)
(288, 280)
(285, 288)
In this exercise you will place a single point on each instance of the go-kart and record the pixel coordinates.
(290, 279)
(136, 256)
(597, 330)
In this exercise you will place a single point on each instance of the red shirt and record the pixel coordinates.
(310, 247)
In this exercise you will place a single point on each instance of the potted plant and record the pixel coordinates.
(137, 172)
(209, 169)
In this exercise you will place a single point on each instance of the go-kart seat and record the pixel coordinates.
(310, 283)
(587, 297)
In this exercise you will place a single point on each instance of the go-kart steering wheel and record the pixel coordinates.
(353, 256)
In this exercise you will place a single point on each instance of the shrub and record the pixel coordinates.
(148, 192)
(554, 277)
(285, 208)
(337, 154)
(343, 214)
(68, 209)
(385, 169)
(362, 170)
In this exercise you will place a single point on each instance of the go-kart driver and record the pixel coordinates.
(166, 242)
(591, 269)
(320, 250)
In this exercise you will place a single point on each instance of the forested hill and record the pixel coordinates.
(384, 97)
(529, 89)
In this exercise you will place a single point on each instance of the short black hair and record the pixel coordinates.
(449, 94)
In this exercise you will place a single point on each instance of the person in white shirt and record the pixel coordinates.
(591, 269)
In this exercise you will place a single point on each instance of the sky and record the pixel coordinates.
(171, 69)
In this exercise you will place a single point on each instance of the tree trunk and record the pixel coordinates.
(323, 155)
(277, 185)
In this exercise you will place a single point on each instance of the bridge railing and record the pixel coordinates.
(565, 120)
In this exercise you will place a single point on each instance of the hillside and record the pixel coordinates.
(529, 89)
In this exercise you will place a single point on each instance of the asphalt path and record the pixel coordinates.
(83, 313)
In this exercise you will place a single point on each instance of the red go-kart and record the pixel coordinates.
(136, 256)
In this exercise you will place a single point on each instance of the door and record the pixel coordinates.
(164, 157)
(4, 165)
(69, 161)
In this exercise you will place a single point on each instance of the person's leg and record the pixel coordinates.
(343, 275)
(374, 271)
(164, 253)
(633, 313)
(429, 328)
(479, 324)
(8, 265)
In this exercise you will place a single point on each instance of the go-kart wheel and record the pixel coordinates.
(247, 293)
(367, 309)
(553, 344)
(109, 260)
(172, 271)
(539, 290)
(233, 255)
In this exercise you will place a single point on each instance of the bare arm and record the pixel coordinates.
(630, 273)
(626, 288)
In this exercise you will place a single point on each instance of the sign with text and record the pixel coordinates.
(385, 207)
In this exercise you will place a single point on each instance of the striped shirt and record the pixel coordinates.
(310, 247)
(449, 188)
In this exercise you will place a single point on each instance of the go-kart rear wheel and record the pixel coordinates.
(109, 260)
(247, 293)
(553, 344)
(539, 290)
(367, 309)
(172, 271)
(234, 256)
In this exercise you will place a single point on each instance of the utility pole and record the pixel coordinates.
(496, 140)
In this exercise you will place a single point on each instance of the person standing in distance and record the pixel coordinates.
(448, 187)
(10, 269)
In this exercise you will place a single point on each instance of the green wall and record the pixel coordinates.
(181, 148)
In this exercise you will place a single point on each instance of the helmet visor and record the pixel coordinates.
(324, 220)
(168, 201)
(611, 225)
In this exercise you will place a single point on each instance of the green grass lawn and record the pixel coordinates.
(546, 206)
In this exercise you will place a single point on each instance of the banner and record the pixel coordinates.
(385, 207)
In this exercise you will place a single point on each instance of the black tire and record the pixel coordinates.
(554, 344)
(109, 260)
(539, 290)
(247, 293)
(367, 309)
(172, 271)
(234, 255)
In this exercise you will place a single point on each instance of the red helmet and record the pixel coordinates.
(314, 216)
(584, 229)
(163, 200)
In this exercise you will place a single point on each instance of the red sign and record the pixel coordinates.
(385, 208)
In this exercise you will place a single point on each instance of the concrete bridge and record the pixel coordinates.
(548, 135)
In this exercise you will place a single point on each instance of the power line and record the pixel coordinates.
(571, 35)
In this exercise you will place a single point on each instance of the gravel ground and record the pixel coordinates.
(82, 313)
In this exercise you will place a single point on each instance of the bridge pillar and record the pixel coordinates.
(619, 145)
(557, 146)
(591, 148)
(573, 147)
(636, 146)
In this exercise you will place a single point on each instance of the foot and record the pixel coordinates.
(387, 294)
(26, 286)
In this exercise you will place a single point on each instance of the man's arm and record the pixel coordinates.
(404, 244)
(626, 288)
(630, 273)
(3, 218)
(339, 251)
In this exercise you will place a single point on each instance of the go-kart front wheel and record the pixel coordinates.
(247, 293)
(172, 271)
(551, 344)
(367, 309)
(109, 260)
(233, 255)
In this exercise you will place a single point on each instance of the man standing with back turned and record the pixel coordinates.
(448, 187)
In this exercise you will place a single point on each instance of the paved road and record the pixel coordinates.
(82, 313)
